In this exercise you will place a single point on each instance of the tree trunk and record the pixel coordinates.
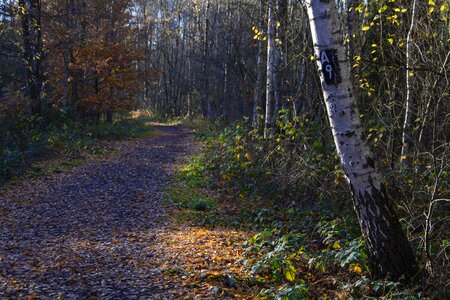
(352, 16)
(206, 103)
(257, 94)
(32, 52)
(276, 59)
(270, 68)
(109, 117)
(389, 250)
(407, 134)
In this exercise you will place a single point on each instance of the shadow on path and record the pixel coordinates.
(87, 233)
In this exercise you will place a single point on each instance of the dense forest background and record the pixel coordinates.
(251, 63)
(91, 59)
(181, 58)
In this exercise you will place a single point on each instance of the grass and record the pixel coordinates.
(127, 128)
(189, 194)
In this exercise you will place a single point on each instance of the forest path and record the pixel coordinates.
(89, 233)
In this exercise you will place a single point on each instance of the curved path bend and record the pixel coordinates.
(89, 233)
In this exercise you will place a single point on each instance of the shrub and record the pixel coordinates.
(294, 161)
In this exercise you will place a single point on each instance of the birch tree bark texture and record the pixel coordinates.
(389, 250)
(270, 67)
(407, 134)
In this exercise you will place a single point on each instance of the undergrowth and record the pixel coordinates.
(37, 139)
(294, 253)
(290, 192)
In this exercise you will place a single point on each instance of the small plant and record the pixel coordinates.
(194, 173)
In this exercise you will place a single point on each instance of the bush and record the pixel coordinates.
(294, 161)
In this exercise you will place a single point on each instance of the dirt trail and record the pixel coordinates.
(88, 233)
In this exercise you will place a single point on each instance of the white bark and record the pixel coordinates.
(270, 67)
(388, 247)
(340, 101)
(257, 94)
(406, 154)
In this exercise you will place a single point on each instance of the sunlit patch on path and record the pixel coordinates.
(207, 261)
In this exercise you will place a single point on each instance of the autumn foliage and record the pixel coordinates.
(93, 58)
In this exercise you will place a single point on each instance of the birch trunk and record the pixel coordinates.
(270, 68)
(257, 94)
(407, 141)
(388, 248)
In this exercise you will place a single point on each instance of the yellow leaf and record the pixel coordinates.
(311, 57)
(411, 73)
(336, 245)
(289, 273)
(383, 9)
(365, 28)
(357, 268)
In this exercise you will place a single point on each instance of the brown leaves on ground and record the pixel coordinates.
(88, 232)
(207, 261)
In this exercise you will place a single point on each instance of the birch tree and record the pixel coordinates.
(270, 67)
(257, 94)
(407, 143)
(389, 250)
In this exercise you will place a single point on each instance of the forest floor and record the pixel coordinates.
(146, 220)
(102, 230)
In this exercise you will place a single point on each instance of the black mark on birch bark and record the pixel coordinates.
(330, 66)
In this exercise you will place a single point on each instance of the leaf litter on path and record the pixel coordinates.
(92, 232)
